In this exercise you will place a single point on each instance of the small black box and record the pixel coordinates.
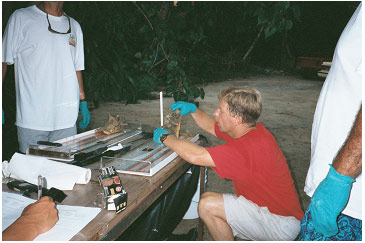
(114, 194)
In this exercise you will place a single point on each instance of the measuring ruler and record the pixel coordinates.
(83, 142)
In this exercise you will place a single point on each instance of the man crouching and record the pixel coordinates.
(266, 205)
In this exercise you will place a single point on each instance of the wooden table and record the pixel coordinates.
(142, 192)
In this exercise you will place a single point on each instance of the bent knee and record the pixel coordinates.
(209, 203)
(210, 196)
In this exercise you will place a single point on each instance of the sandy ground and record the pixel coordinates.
(288, 107)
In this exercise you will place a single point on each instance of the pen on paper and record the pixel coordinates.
(40, 185)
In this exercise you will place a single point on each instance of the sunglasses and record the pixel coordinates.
(55, 31)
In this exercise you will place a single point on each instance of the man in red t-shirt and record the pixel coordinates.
(266, 205)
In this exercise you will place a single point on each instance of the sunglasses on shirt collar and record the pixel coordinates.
(55, 31)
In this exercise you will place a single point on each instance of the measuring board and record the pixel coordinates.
(84, 142)
(147, 159)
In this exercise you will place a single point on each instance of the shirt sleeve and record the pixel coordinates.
(224, 156)
(79, 57)
(230, 162)
(10, 40)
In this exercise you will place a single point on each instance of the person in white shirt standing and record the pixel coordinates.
(46, 47)
(334, 178)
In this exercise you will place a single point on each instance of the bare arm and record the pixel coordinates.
(189, 151)
(81, 84)
(37, 218)
(204, 121)
(349, 159)
(5, 66)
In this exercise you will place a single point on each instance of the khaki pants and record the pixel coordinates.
(28, 137)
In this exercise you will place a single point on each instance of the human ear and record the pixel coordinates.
(238, 120)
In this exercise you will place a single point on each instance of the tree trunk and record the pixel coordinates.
(252, 45)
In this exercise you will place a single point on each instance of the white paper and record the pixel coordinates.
(58, 175)
(71, 218)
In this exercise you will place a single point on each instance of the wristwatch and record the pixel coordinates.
(163, 137)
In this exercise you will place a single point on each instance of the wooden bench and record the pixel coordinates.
(321, 65)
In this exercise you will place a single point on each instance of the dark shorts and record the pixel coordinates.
(349, 229)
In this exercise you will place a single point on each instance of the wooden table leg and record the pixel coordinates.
(200, 221)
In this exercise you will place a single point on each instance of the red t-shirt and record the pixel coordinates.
(258, 169)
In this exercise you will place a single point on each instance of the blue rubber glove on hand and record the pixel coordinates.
(85, 115)
(157, 134)
(185, 107)
(328, 201)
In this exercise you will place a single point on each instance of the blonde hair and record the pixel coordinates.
(244, 102)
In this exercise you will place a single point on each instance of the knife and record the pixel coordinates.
(47, 143)
(83, 159)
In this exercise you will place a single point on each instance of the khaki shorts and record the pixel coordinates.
(252, 222)
(28, 137)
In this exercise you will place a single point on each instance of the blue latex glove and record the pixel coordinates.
(85, 115)
(185, 107)
(157, 134)
(328, 201)
(3, 117)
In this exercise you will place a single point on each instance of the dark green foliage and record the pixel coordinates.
(133, 48)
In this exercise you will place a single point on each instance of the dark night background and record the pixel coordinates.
(198, 37)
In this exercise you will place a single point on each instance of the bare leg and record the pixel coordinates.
(211, 211)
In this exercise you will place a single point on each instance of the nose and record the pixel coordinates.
(215, 113)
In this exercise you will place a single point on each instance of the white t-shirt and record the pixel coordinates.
(45, 64)
(336, 111)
